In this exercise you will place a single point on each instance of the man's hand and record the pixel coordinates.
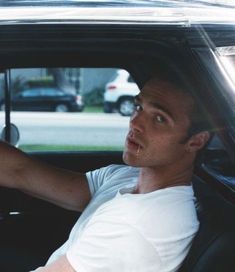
(60, 265)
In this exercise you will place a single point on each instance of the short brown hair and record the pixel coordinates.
(181, 80)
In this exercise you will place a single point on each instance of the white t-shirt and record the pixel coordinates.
(121, 231)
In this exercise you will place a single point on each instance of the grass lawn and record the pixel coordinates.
(69, 148)
(93, 109)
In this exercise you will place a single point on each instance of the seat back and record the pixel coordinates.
(213, 248)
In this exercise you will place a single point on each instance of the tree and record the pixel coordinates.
(61, 80)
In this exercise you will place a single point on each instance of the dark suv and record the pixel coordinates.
(45, 99)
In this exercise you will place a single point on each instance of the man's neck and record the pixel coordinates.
(152, 179)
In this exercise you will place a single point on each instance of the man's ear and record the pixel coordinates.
(197, 141)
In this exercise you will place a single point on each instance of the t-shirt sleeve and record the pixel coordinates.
(104, 247)
(98, 177)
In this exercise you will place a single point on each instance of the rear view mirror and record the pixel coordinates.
(14, 135)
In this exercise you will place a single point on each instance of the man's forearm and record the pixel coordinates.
(62, 187)
(60, 265)
(12, 163)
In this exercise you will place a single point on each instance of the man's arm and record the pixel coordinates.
(60, 265)
(64, 188)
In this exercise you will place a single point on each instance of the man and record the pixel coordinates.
(139, 217)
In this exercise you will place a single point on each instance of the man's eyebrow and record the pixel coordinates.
(160, 107)
(137, 98)
(157, 106)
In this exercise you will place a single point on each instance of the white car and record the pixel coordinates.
(119, 94)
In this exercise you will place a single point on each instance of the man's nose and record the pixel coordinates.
(137, 122)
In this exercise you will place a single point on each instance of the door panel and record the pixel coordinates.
(31, 229)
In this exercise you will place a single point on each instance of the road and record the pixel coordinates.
(93, 129)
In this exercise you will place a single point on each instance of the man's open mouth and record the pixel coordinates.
(132, 143)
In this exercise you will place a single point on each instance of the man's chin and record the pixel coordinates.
(130, 159)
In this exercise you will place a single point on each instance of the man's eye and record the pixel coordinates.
(138, 107)
(160, 119)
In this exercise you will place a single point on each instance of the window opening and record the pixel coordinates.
(69, 109)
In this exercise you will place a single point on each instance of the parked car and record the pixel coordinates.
(119, 94)
(45, 99)
(196, 36)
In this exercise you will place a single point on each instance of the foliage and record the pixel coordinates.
(94, 98)
(95, 109)
(47, 81)
(18, 84)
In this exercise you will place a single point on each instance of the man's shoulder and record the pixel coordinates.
(116, 171)
(121, 168)
(111, 177)
(120, 174)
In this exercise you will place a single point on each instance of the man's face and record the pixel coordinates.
(158, 126)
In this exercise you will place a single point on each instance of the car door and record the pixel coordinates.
(50, 98)
(30, 228)
(28, 100)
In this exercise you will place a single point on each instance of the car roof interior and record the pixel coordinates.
(214, 246)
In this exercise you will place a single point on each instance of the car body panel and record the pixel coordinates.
(181, 14)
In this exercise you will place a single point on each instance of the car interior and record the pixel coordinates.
(31, 229)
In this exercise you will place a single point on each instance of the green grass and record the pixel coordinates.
(69, 148)
(93, 109)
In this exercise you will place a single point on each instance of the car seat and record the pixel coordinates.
(213, 248)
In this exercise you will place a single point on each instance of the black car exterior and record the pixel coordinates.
(32, 229)
(45, 99)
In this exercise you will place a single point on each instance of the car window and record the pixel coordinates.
(130, 79)
(69, 118)
(222, 61)
(2, 114)
(51, 92)
(30, 93)
(226, 55)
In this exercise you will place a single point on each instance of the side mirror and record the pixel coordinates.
(14, 135)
